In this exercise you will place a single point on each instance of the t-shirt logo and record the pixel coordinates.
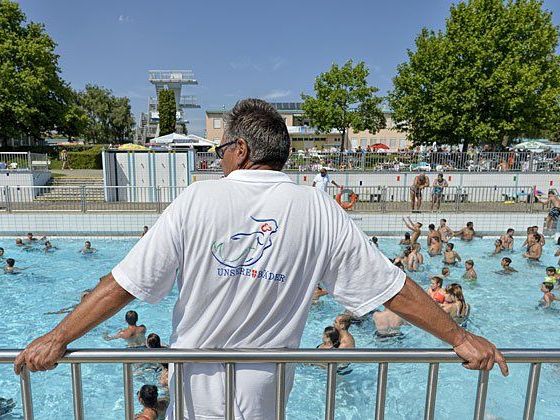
(244, 249)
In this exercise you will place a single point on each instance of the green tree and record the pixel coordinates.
(344, 100)
(167, 109)
(109, 117)
(490, 76)
(33, 97)
(121, 119)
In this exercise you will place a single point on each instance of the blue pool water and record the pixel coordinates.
(503, 309)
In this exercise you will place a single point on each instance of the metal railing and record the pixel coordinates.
(81, 198)
(24, 161)
(413, 161)
(383, 357)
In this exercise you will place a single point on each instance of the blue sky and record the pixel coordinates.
(237, 48)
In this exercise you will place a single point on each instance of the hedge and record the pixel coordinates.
(89, 159)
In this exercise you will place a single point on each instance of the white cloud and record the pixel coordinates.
(244, 63)
(125, 19)
(276, 94)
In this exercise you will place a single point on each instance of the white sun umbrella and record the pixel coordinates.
(532, 146)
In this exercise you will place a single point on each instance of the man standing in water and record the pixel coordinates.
(420, 182)
(261, 300)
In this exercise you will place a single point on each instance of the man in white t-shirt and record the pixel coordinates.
(322, 180)
(246, 253)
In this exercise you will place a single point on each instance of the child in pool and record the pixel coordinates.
(445, 272)
(406, 240)
(548, 296)
(498, 247)
(470, 274)
(551, 276)
(506, 268)
(450, 257)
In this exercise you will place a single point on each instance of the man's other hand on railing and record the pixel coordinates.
(414, 305)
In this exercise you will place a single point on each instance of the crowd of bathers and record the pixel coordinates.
(450, 297)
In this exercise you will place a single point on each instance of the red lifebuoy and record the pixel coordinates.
(346, 205)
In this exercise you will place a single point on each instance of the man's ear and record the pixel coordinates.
(242, 152)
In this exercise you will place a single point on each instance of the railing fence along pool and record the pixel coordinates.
(536, 357)
(367, 198)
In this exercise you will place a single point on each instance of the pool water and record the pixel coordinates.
(503, 308)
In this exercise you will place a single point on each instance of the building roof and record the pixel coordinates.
(290, 108)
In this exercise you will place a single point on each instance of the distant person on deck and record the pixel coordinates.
(323, 179)
(437, 193)
(554, 212)
(63, 158)
(420, 182)
(290, 237)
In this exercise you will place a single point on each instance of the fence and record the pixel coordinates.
(457, 199)
(382, 357)
(366, 199)
(410, 161)
(24, 161)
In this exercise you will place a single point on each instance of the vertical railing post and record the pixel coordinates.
(83, 198)
(381, 391)
(384, 199)
(481, 392)
(158, 199)
(280, 391)
(531, 154)
(128, 392)
(29, 160)
(230, 391)
(77, 392)
(331, 391)
(458, 196)
(179, 409)
(26, 397)
(7, 195)
(431, 392)
(531, 394)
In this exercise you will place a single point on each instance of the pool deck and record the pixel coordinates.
(130, 223)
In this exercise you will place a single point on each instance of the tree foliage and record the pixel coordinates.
(344, 100)
(167, 109)
(109, 118)
(491, 76)
(33, 97)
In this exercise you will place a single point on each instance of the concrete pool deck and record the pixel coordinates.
(131, 223)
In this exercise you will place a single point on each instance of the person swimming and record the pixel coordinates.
(498, 247)
(445, 272)
(2, 258)
(87, 249)
(374, 241)
(506, 268)
(450, 256)
(331, 338)
(134, 335)
(469, 274)
(69, 309)
(548, 297)
(10, 267)
(435, 291)
(49, 247)
(144, 231)
(507, 239)
(435, 246)
(551, 276)
(467, 233)
(387, 323)
(406, 239)
(455, 304)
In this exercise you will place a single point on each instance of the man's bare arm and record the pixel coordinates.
(102, 303)
(416, 307)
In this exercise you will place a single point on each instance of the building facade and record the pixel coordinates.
(306, 137)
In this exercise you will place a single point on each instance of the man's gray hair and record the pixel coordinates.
(263, 128)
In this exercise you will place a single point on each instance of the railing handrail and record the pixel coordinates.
(416, 355)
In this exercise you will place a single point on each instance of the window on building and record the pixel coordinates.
(363, 142)
(354, 142)
(402, 143)
(393, 143)
(217, 123)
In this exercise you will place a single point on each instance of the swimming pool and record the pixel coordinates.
(503, 309)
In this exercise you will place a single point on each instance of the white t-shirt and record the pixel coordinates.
(246, 252)
(322, 182)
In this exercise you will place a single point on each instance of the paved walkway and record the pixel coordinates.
(79, 173)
